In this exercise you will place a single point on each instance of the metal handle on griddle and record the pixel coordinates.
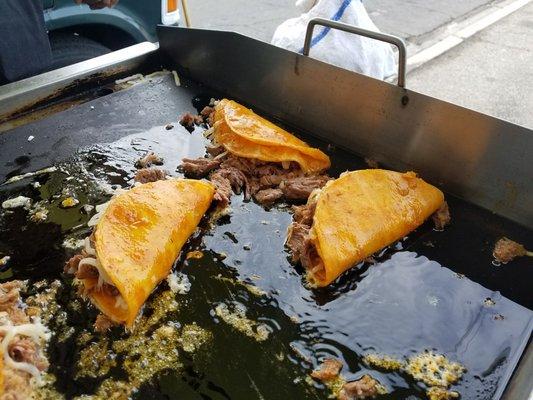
(395, 41)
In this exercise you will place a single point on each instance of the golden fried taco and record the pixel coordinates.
(246, 134)
(135, 243)
(258, 157)
(355, 216)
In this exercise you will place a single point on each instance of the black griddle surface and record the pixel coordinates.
(425, 293)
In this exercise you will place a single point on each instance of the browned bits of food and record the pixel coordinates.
(442, 217)
(364, 388)
(266, 182)
(199, 167)
(329, 370)
(148, 160)
(147, 175)
(207, 114)
(103, 323)
(507, 250)
(189, 120)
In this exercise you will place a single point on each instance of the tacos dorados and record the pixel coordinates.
(246, 134)
(136, 241)
(355, 216)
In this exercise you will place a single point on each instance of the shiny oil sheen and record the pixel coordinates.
(428, 291)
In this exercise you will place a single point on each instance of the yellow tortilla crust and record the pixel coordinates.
(364, 211)
(139, 237)
(246, 134)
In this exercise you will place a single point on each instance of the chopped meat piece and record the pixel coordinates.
(311, 261)
(300, 188)
(71, 266)
(364, 388)
(442, 217)
(329, 370)
(23, 349)
(246, 165)
(268, 196)
(300, 244)
(222, 189)
(236, 177)
(214, 151)
(507, 250)
(188, 120)
(304, 214)
(265, 181)
(103, 323)
(147, 175)
(149, 160)
(295, 240)
(199, 167)
(207, 114)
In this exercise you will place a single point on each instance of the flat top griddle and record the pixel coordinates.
(427, 292)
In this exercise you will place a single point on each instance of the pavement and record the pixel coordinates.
(489, 71)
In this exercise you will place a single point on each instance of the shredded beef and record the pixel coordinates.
(329, 370)
(268, 196)
(442, 217)
(103, 323)
(301, 246)
(300, 188)
(148, 160)
(507, 250)
(147, 175)
(295, 240)
(364, 388)
(267, 182)
(223, 188)
(199, 167)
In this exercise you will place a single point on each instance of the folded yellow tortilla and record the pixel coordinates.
(246, 134)
(139, 237)
(364, 211)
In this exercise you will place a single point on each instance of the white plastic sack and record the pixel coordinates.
(345, 50)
